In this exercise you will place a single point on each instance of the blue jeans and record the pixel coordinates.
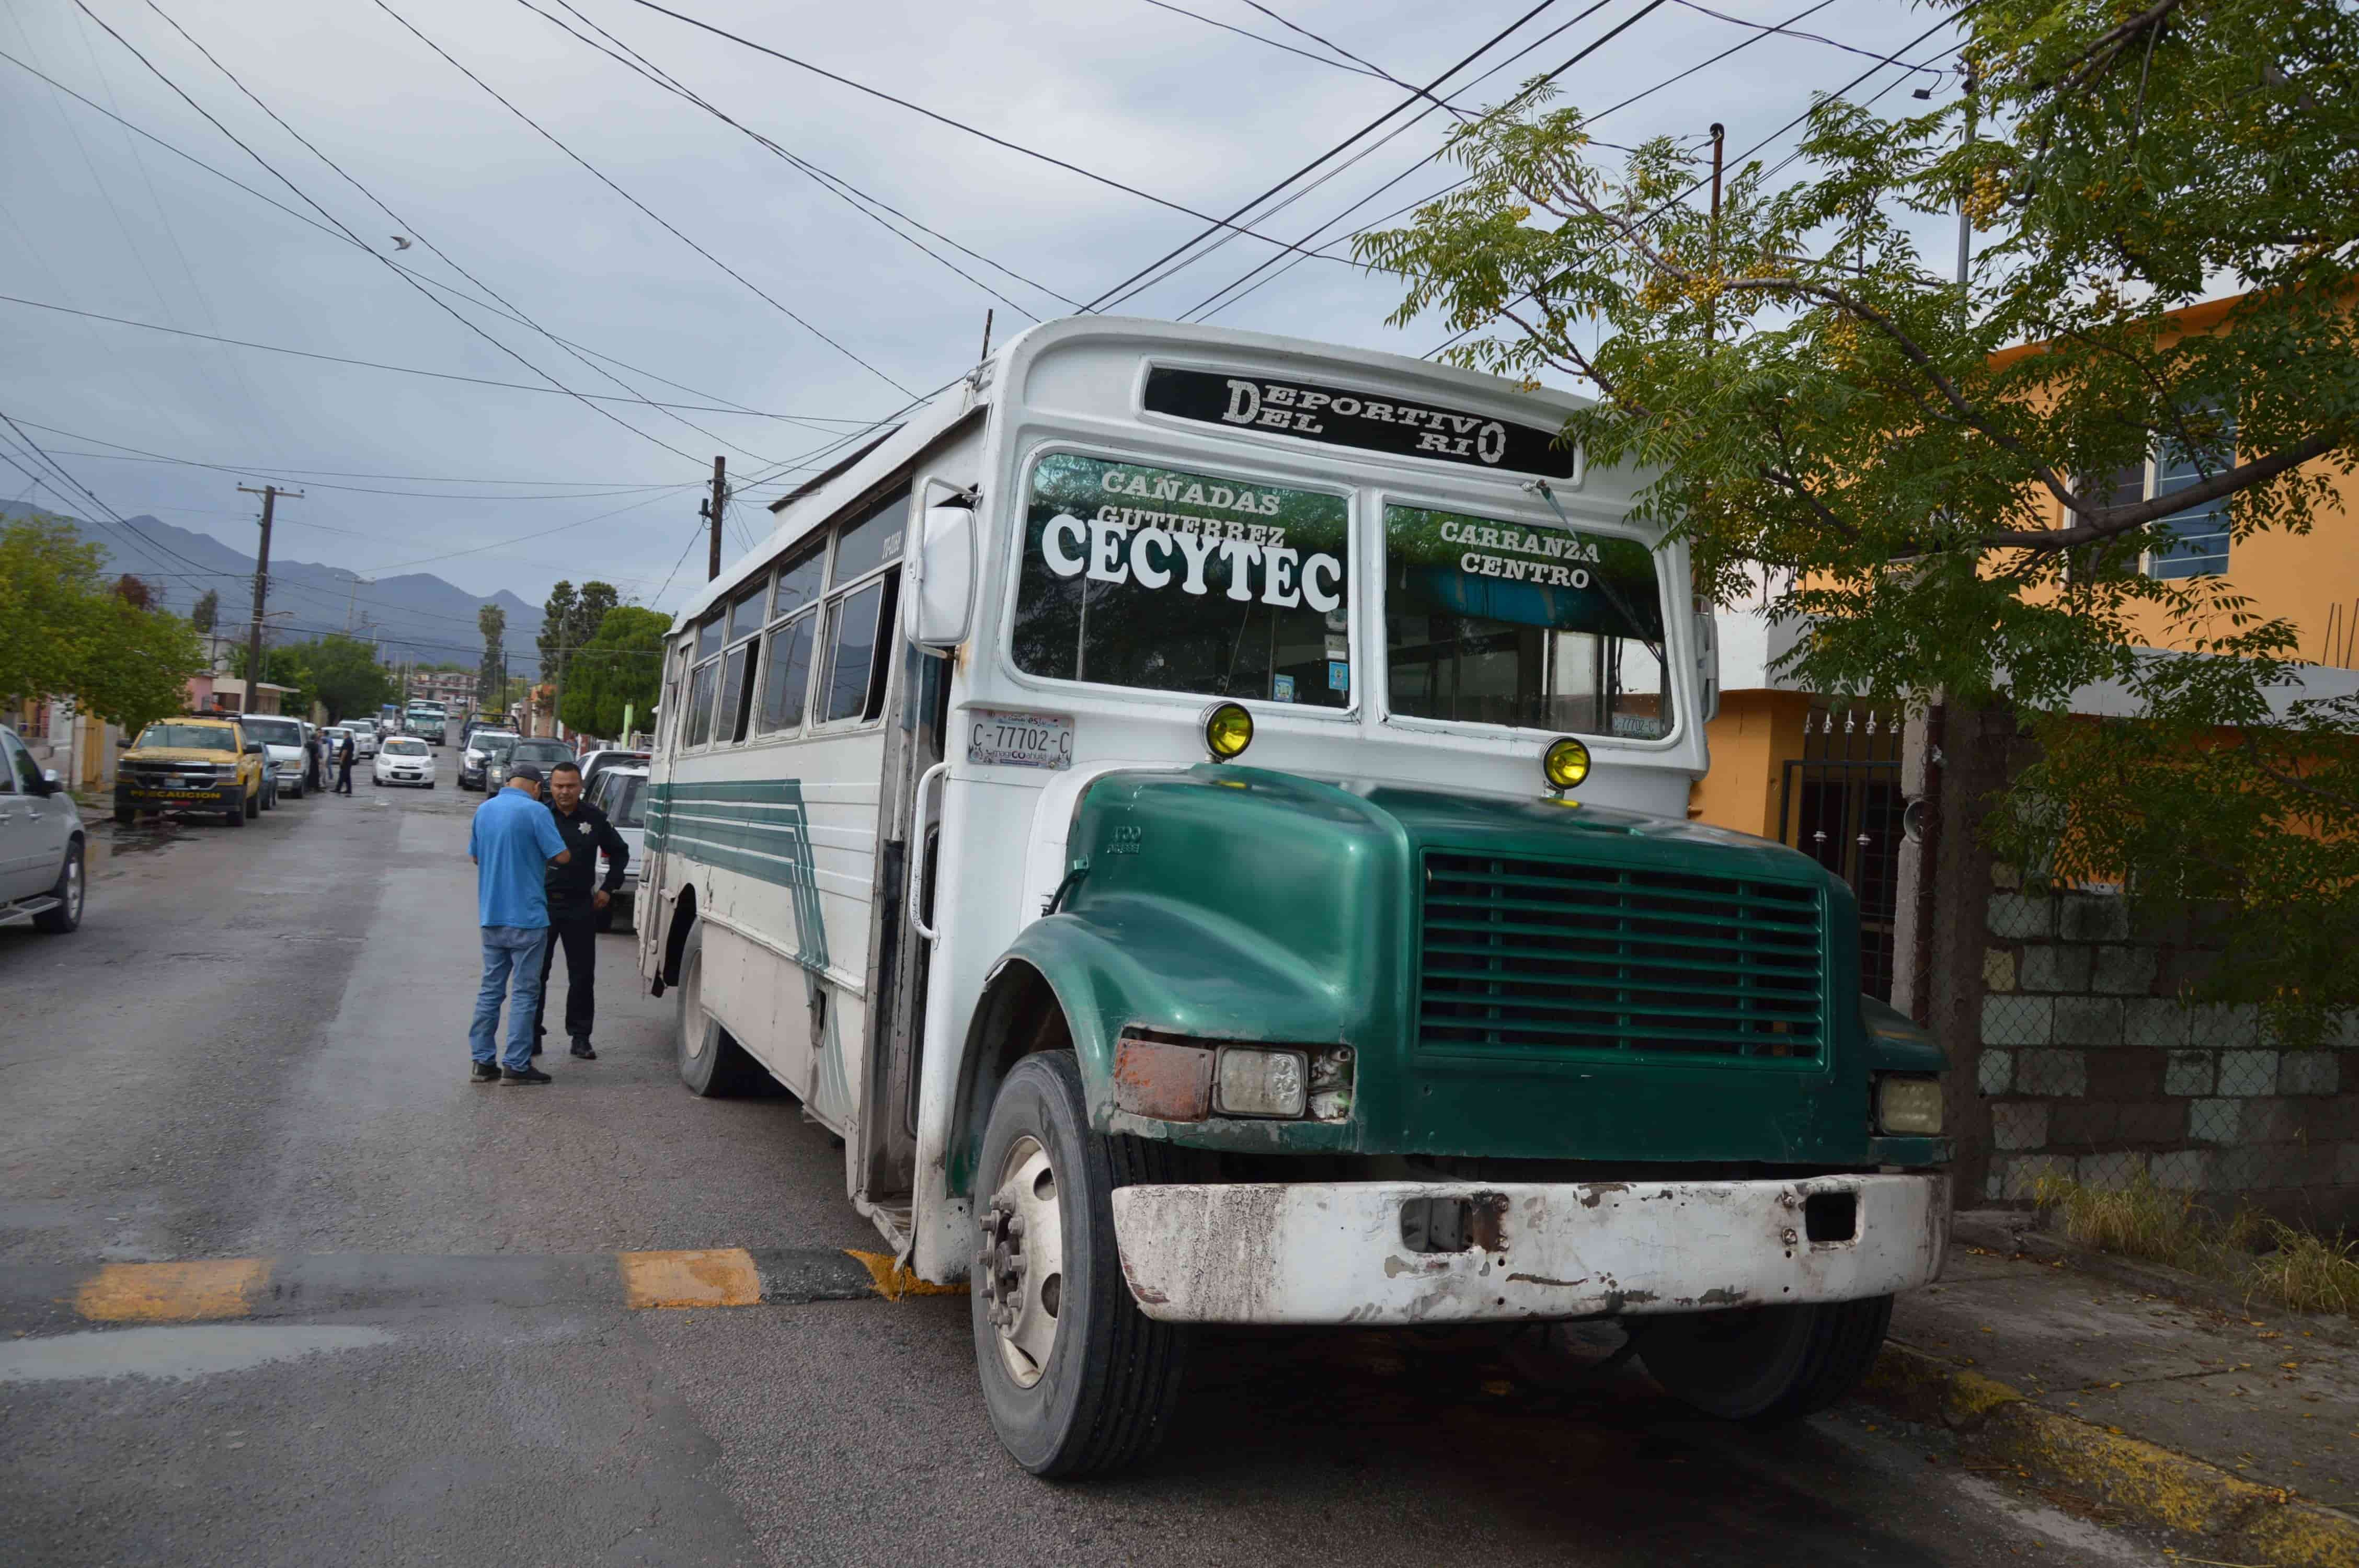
(510, 952)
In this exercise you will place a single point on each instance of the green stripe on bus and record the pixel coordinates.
(755, 828)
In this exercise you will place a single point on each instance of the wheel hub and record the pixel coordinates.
(1019, 1267)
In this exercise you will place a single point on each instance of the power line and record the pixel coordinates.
(834, 184)
(615, 485)
(1033, 153)
(408, 228)
(601, 178)
(1347, 54)
(1289, 263)
(398, 271)
(1230, 221)
(345, 237)
(377, 364)
(1788, 29)
(1273, 43)
(1739, 159)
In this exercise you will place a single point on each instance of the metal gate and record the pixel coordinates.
(1839, 803)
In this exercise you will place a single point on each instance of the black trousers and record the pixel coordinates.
(577, 932)
(343, 778)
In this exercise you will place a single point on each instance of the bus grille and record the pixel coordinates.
(1524, 958)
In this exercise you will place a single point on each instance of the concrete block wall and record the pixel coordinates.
(2094, 1065)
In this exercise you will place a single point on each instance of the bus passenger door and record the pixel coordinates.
(886, 1149)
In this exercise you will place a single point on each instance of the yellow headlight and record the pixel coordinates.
(1909, 1106)
(1565, 764)
(1228, 730)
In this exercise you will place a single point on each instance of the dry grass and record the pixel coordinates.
(2262, 1257)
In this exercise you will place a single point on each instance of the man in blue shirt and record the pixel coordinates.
(514, 843)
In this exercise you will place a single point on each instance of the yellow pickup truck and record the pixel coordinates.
(196, 762)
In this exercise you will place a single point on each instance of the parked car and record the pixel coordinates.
(367, 742)
(483, 747)
(42, 842)
(620, 793)
(595, 763)
(282, 747)
(200, 762)
(404, 760)
(540, 752)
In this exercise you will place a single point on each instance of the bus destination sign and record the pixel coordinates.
(1338, 416)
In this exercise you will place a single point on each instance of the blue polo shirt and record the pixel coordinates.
(513, 843)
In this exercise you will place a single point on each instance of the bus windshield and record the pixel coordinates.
(1178, 580)
(1493, 623)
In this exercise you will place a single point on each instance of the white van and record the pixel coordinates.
(1202, 814)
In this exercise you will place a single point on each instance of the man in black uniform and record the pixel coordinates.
(574, 905)
(344, 766)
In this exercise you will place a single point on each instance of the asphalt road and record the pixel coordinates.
(254, 1047)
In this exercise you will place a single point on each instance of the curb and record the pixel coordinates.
(2154, 1486)
(1993, 1231)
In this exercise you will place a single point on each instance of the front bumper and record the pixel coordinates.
(172, 798)
(1335, 1253)
(390, 777)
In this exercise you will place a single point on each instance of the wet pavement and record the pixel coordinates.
(253, 1048)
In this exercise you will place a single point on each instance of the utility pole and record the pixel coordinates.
(1711, 305)
(711, 512)
(270, 494)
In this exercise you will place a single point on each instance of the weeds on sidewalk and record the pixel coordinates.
(2263, 1256)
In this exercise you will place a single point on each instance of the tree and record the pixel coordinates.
(338, 672)
(620, 667)
(67, 631)
(206, 612)
(556, 618)
(567, 622)
(493, 622)
(1815, 397)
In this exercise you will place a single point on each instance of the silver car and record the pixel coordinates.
(622, 794)
(283, 748)
(41, 843)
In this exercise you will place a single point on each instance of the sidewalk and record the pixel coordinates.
(2241, 1426)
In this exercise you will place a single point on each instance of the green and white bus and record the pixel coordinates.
(1202, 816)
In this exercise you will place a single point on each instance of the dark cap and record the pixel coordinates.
(525, 770)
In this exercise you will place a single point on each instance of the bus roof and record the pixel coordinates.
(820, 498)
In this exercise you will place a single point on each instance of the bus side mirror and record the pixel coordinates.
(1707, 626)
(940, 589)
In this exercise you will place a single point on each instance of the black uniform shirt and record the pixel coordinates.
(585, 830)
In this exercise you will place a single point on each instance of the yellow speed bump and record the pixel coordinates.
(173, 1293)
(706, 1277)
(893, 1282)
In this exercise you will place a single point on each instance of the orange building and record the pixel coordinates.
(1822, 773)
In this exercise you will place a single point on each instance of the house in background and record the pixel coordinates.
(1821, 772)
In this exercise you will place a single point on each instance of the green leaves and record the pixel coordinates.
(2166, 201)
(64, 631)
(619, 665)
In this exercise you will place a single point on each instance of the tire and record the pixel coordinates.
(1102, 1398)
(126, 816)
(254, 806)
(1769, 1363)
(235, 815)
(67, 891)
(712, 1064)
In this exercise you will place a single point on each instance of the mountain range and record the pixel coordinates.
(417, 618)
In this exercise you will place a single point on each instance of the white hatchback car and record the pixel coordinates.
(404, 760)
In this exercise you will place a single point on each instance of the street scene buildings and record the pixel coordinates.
(1647, 850)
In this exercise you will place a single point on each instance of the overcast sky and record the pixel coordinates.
(101, 219)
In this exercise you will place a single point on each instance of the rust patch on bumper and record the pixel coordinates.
(1169, 1083)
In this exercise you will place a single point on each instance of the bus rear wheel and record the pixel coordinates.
(1078, 1380)
(1765, 1364)
(712, 1064)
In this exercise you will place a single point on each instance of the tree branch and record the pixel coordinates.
(2108, 44)
(2113, 520)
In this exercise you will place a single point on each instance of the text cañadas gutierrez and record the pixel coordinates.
(1150, 547)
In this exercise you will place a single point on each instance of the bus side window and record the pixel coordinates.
(700, 704)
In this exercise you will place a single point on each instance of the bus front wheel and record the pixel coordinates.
(712, 1064)
(1766, 1364)
(1078, 1380)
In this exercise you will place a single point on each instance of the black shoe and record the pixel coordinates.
(486, 1073)
(581, 1049)
(529, 1075)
